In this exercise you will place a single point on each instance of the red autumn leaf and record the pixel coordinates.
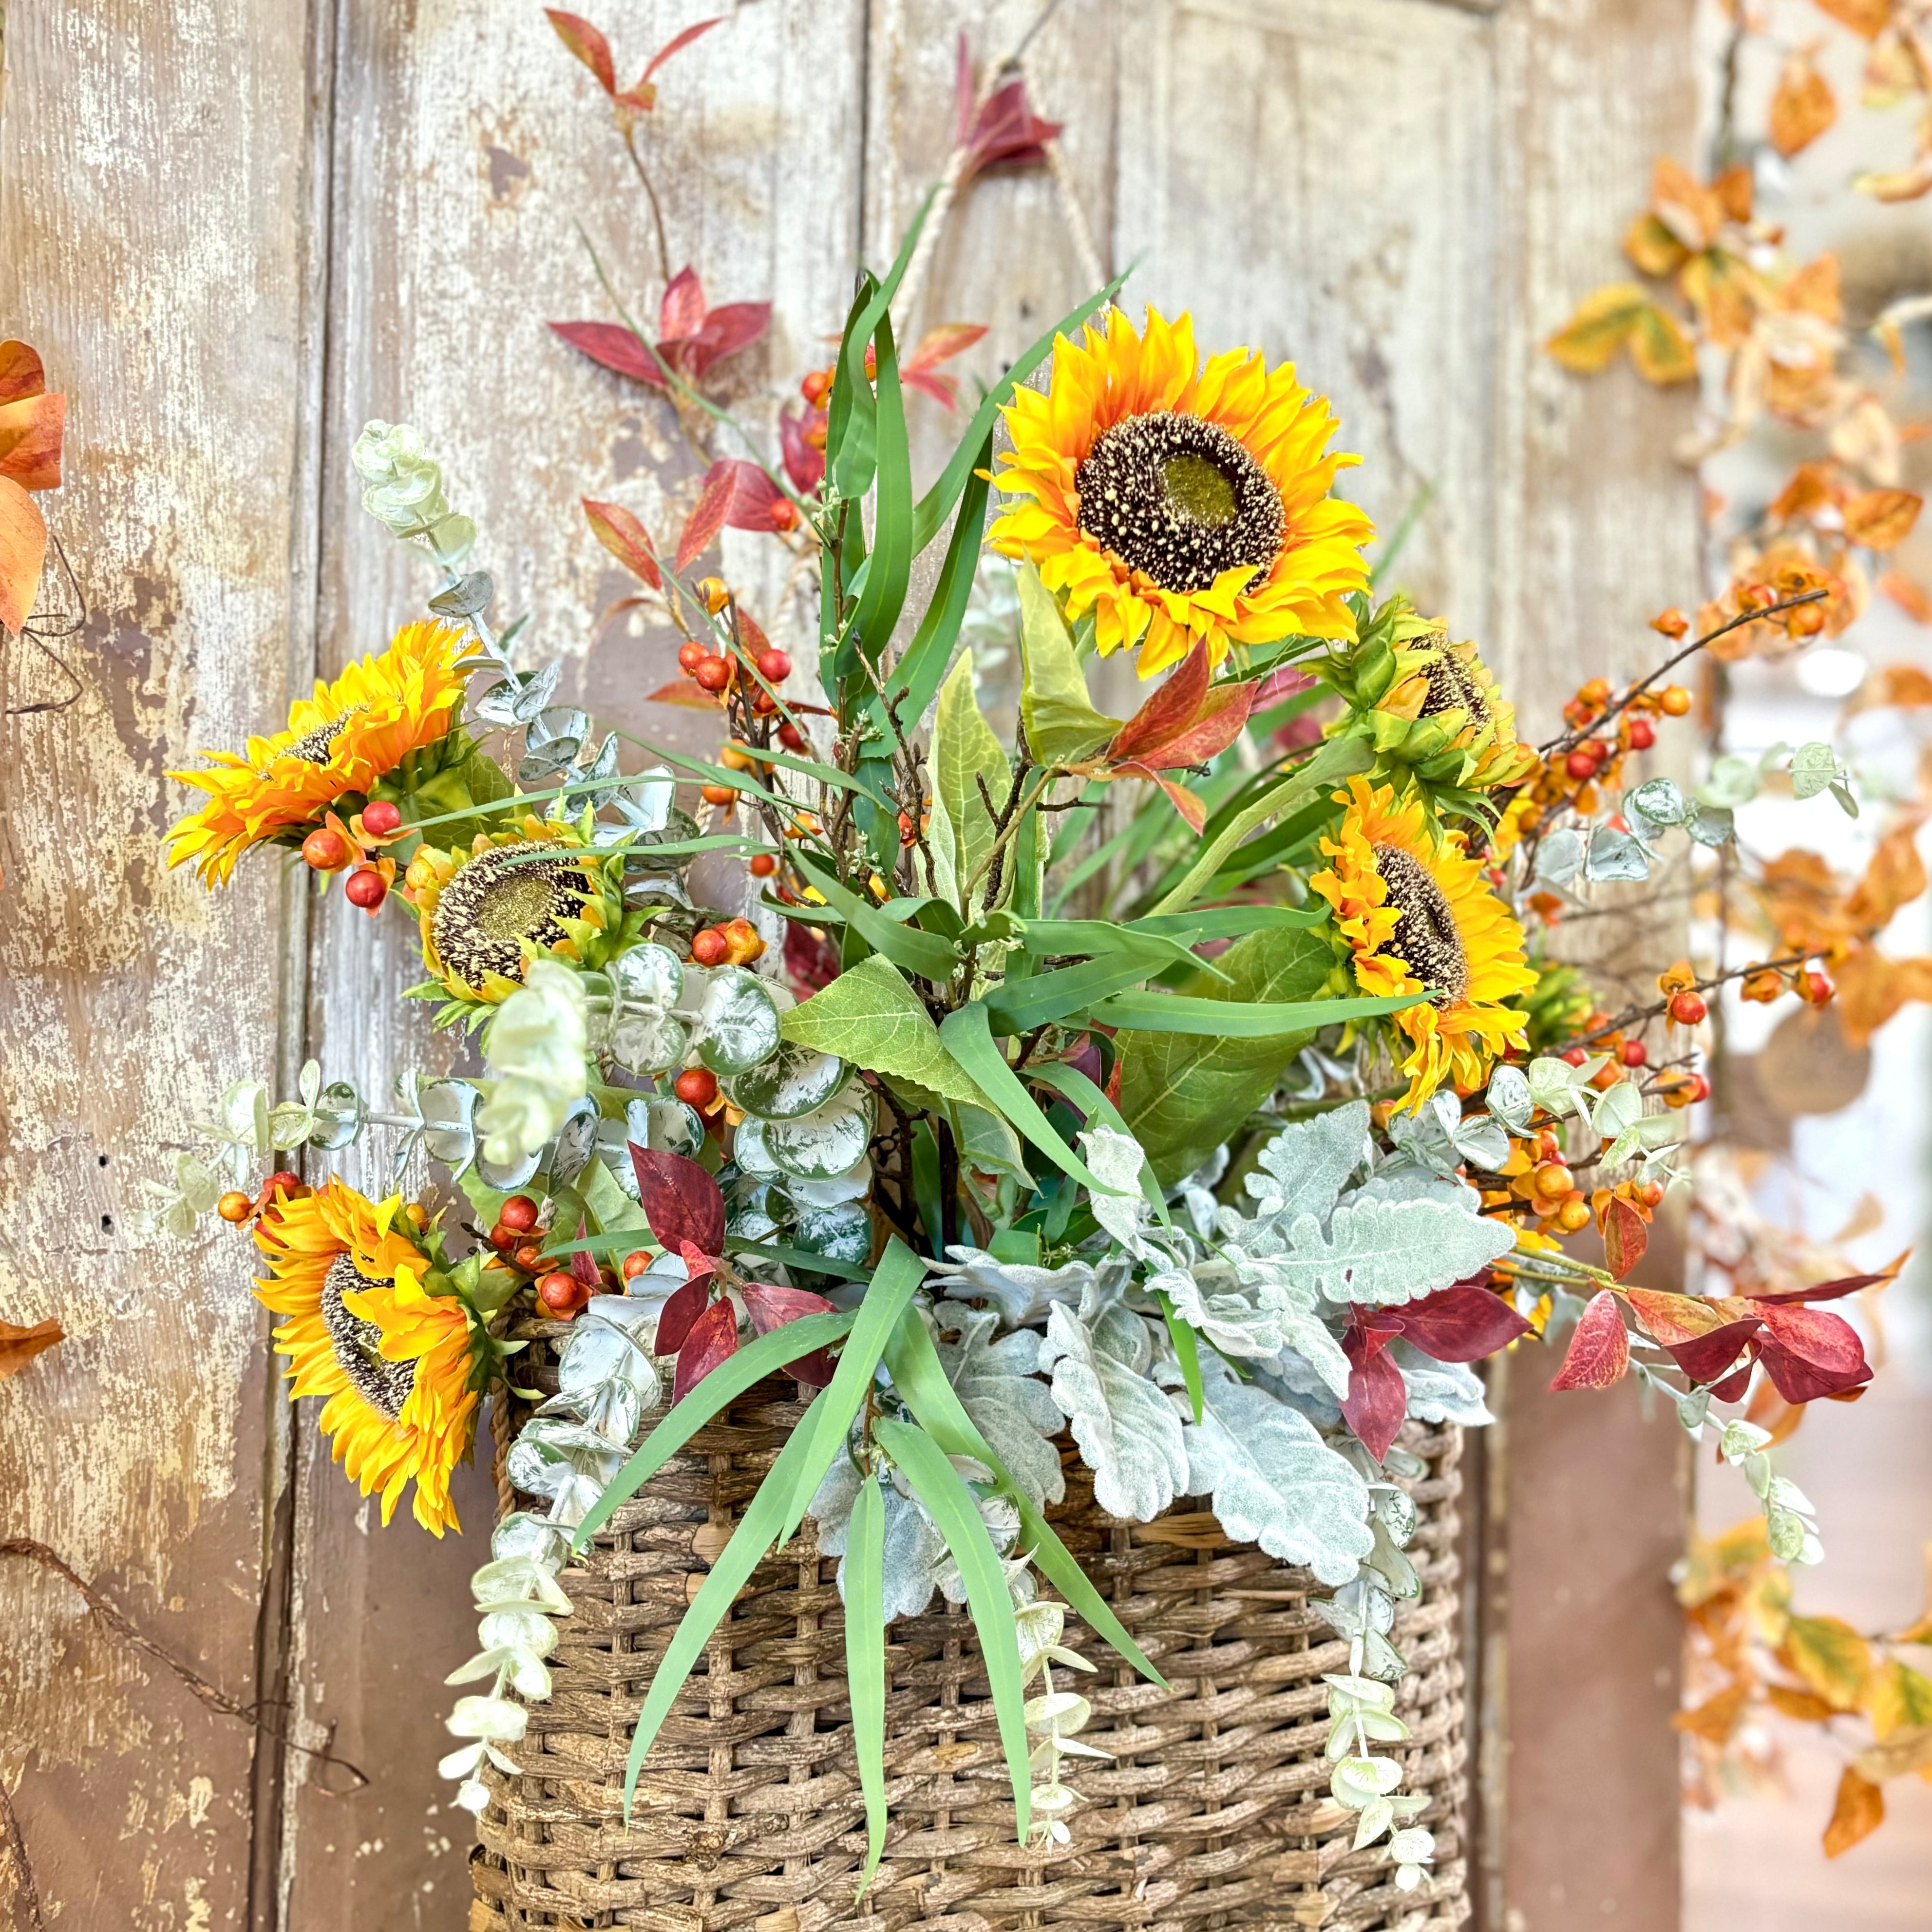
(1222, 716)
(713, 1337)
(23, 550)
(1599, 1350)
(681, 1201)
(772, 1307)
(681, 1308)
(1731, 1388)
(1708, 1357)
(804, 462)
(1462, 1324)
(1170, 708)
(620, 532)
(687, 696)
(1833, 1291)
(1626, 1235)
(1672, 1318)
(677, 44)
(725, 330)
(681, 313)
(614, 348)
(588, 44)
(21, 374)
(1190, 807)
(1809, 1353)
(1285, 681)
(708, 516)
(584, 1265)
(812, 963)
(937, 346)
(1002, 131)
(1377, 1398)
(30, 440)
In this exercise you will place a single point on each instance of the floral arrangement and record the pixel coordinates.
(1184, 1084)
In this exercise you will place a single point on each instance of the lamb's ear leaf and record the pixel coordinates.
(865, 1663)
(953, 1509)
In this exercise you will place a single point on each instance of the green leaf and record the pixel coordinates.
(1182, 1094)
(1339, 758)
(1019, 1005)
(870, 1017)
(969, 766)
(748, 1366)
(924, 953)
(953, 1508)
(1100, 938)
(865, 1662)
(889, 568)
(1170, 1013)
(934, 505)
(1062, 726)
(917, 1375)
(850, 415)
(968, 1036)
(1186, 1347)
(801, 1258)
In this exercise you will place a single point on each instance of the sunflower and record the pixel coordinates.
(485, 910)
(397, 1365)
(1177, 503)
(339, 745)
(1418, 914)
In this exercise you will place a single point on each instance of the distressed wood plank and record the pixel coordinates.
(468, 145)
(170, 300)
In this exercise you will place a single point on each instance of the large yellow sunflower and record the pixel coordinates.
(486, 909)
(396, 1363)
(1418, 914)
(1178, 503)
(339, 743)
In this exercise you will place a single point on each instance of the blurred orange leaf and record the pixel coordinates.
(23, 550)
(1911, 597)
(1866, 18)
(1897, 1697)
(1716, 1717)
(1857, 1811)
(1660, 347)
(1807, 1706)
(1831, 1657)
(19, 1346)
(1601, 326)
(1802, 107)
(587, 43)
(1876, 518)
(1652, 247)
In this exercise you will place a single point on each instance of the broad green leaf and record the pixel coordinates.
(763, 1356)
(865, 1662)
(969, 767)
(924, 953)
(1183, 1094)
(1175, 1012)
(967, 1034)
(952, 1506)
(1062, 725)
(869, 1017)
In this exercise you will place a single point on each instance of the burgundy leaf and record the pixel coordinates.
(681, 1201)
(1285, 681)
(1168, 711)
(1462, 1324)
(1222, 718)
(708, 517)
(587, 43)
(1377, 1398)
(713, 1336)
(771, 1307)
(804, 462)
(754, 496)
(681, 314)
(1006, 133)
(615, 348)
(1599, 1350)
(1706, 1357)
(1832, 1291)
(1731, 1388)
(1626, 1235)
(675, 1319)
(677, 44)
(726, 330)
(1798, 1379)
(583, 1263)
(698, 1265)
(1825, 1355)
(811, 957)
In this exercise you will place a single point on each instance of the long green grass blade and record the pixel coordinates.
(865, 1663)
(889, 567)
(967, 1034)
(1175, 1012)
(1018, 1005)
(924, 954)
(953, 1508)
(744, 1369)
(1186, 1347)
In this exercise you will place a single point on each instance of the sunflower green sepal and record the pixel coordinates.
(540, 888)
(1559, 1006)
(1429, 709)
(454, 775)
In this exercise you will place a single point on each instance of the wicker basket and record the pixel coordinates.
(1213, 1812)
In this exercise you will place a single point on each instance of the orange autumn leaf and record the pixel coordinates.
(1810, 489)
(30, 440)
(1601, 324)
(1813, 289)
(1661, 349)
(1716, 1717)
(1802, 107)
(1690, 211)
(1673, 1318)
(1867, 19)
(1876, 518)
(23, 551)
(1653, 249)
(21, 374)
(1857, 1811)
(19, 1346)
(1872, 988)
(1894, 876)
(1806, 1706)
(1831, 1657)
(1916, 601)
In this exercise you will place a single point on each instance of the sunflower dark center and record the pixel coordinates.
(1452, 686)
(500, 899)
(357, 1342)
(316, 747)
(1425, 936)
(1180, 499)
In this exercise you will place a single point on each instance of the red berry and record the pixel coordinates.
(326, 850)
(519, 1212)
(283, 1180)
(691, 655)
(380, 817)
(1579, 764)
(763, 704)
(365, 887)
(713, 674)
(1698, 1087)
(1642, 734)
(562, 1294)
(529, 1258)
(764, 864)
(710, 947)
(774, 665)
(635, 1263)
(1576, 1055)
(696, 1087)
(791, 737)
(1633, 1053)
(503, 1239)
(1687, 1009)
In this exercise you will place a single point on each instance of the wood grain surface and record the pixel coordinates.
(236, 231)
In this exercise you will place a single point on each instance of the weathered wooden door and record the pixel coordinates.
(236, 228)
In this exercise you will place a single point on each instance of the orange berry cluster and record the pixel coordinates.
(332, 847)
(735, 943)
(1763, 984)
(235, 1207)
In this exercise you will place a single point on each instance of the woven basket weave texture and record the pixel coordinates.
(1213, 1812)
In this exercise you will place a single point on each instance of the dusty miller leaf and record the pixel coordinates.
(1303, 1169)
(1010, 1407)
(1380, 1252)
(1440, 1391)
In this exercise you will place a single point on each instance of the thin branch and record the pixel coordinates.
(651, 194)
